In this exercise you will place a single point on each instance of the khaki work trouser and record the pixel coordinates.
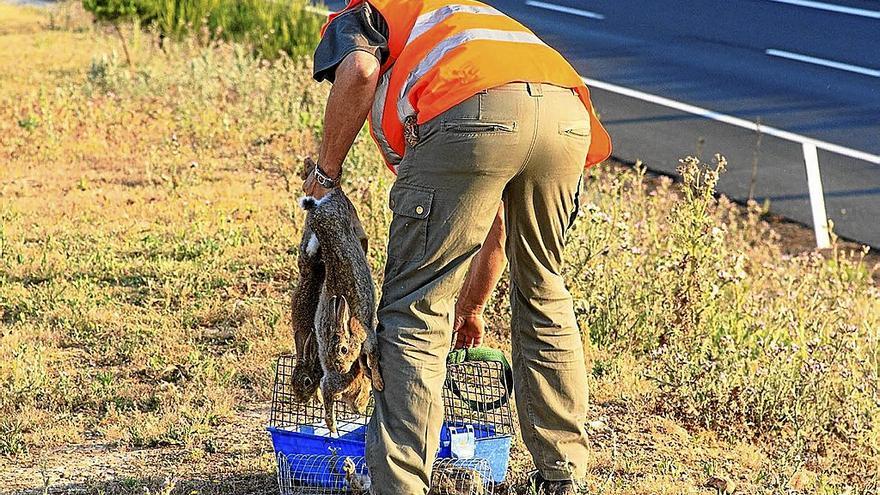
(524, 144)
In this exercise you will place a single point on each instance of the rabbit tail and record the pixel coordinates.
(309, 203)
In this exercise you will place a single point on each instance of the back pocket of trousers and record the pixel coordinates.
(408, 235)
(576, 134)
(478, 127)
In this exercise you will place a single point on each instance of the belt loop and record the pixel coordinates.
(534, 89)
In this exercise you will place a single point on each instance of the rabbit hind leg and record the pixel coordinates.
(372, 364)
(357, 394)
(362, 395)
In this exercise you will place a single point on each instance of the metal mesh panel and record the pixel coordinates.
(477, 392)
(322, 475)
(461, 477)
(287, 413)
(334, 475)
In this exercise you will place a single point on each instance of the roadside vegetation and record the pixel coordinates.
(269, 28)
(148, 224)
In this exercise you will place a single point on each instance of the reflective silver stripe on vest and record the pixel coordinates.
(376, 114)
(430, 19)
(404, 108)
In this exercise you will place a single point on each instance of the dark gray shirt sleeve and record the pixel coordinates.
(361, 28)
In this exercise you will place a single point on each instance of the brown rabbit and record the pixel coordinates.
(345, 323)
(307, 371)
(345, 372)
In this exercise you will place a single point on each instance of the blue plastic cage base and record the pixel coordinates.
(302, 440)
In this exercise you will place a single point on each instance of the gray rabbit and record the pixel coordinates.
(307, 371)
(345, 320)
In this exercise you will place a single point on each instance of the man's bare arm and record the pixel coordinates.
(347, 107)
(483, 275)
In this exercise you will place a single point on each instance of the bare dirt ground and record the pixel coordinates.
(237, 461)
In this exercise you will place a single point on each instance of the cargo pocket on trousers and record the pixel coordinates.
(408, 235)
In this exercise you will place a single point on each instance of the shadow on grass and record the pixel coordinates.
(232, 484)
(253, 483)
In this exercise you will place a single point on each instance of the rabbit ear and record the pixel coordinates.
(340, 306)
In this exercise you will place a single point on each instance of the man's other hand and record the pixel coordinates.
(468, 329)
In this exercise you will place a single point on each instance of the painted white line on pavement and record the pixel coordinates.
(565, 10)
(730, 119)
(830, 7)
(824, 62)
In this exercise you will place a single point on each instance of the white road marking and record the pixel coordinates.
(566, 10)
(824, 62)
(830, 7)
(729, 119)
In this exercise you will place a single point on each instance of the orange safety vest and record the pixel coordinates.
(442, 52)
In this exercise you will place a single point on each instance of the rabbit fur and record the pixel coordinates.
(307, 371)
(345, 319)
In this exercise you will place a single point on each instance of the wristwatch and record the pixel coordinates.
(325, 180)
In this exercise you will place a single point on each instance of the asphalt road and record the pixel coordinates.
(737, 57)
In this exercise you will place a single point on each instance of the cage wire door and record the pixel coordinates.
(461, 477)
(476, 394)
(479, 393)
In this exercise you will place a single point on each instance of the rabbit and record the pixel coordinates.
(345, 322)
(307, 371)
(358, 482)
(345, 373)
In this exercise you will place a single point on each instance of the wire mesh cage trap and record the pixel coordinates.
(304, 474)
(475, 437)
(300, 474)
(462, 477)
(308, 417)
(478, 418)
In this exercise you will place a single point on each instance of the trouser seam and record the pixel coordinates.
(427, 455)
(525, 379)
(534, 136)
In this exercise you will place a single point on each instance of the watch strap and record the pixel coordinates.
(325, 180)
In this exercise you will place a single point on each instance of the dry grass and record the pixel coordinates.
(147, 218)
